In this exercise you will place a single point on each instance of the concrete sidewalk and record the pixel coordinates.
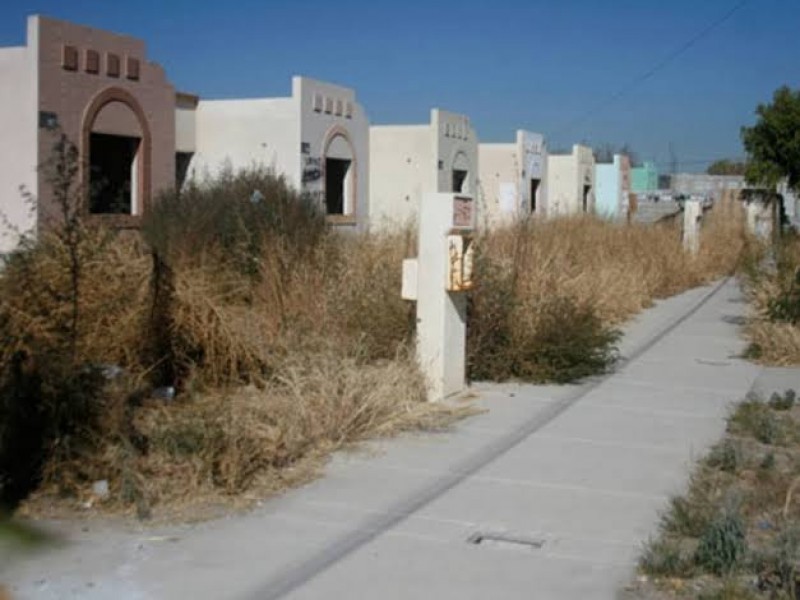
(559, 487)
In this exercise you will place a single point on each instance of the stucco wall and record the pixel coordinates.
(18, 122)
(456, 146)
(609, 189)
(505, 174)
(329, 111)
(70, 93)
(645, 178)
(567, 175)
(402, 168)
(240, 134)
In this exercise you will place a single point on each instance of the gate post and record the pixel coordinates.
(438, 279)
(692, 220)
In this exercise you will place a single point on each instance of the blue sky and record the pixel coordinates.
(539, 65)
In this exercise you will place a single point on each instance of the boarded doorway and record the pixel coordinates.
(534, 190)
(113, 177)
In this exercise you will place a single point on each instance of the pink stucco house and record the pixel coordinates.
(119, 109)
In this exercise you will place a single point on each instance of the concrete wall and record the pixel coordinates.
(567, 174)
(402, 168)
(18, 149)
(505, 174)
(407, 161)
(186, 123)
(705, 185)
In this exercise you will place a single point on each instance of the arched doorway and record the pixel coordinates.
(115, 153)
(460, 174)
(339, 172)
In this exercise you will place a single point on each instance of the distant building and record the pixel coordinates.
(644, 179)
(571, 182)
(100, 90)
(318, 138)
(513, 178)
(613, 193)
(701, 184)
(407, 161)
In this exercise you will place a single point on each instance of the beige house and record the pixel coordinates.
(571, 182)
(318, 138)
(513, 179)
(407, 161)
(98, 89)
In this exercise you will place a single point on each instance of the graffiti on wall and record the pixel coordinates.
(312, 169)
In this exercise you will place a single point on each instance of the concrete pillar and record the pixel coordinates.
(761, 218)
(692, 220)
(438, 279)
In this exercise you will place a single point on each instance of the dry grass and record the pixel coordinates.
(537, 278)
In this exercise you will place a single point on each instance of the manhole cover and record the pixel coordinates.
(506, 540)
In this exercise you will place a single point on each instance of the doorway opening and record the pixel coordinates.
(534, 189)
(337, 184)
(459, 181)
(586, 190)
(182, 162)
(113, 176)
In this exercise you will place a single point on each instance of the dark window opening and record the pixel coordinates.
(112, 164)
(534, 189)
(586, 190)
(336, 170)
(459, 180)
(182, 161)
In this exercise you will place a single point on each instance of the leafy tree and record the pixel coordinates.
(773, 143)
(726, 167)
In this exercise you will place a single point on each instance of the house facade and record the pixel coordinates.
(644, 179)
(99, 90)
(571, 182)
(513, 179)
(407, 161)
(318, 138)
(613, 193)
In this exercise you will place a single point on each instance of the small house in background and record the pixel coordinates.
(99, 90)
(613, 195)
(513, 178)
(708, 186)
(318, 138)
(644, 179)
(571, 182)
(407, 161)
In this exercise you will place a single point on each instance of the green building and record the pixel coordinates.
(644, 179)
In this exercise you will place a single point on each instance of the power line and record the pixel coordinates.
(653, 70)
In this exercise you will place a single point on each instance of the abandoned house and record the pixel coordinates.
(513, 179)
(570, 182)
(318, 138)
(613, 194)
(644, 178)
(407, 161)
(101, 92)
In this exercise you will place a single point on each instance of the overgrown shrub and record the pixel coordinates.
(667, 557)
(723, 545)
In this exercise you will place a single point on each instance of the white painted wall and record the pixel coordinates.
(567, 174)
(185, 130)
(409, 161)
(19, 129)
(400, 164)
(244, 133)
(505, 174)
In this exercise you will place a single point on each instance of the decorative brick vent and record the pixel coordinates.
(69, 58)
(92, 64)
(318, 102)
(348, 110)
(132, 68)
(112, 65)
(339, 108)
(328, 105)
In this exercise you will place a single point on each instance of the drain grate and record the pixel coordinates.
(506, 540)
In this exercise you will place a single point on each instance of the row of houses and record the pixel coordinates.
(136, 135)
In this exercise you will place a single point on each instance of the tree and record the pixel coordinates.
(773, 143)
(604, 153)
(726, 167)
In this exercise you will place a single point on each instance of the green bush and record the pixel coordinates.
(666, 557)
(782, 402)
(723, 546)
(563, 342)
(755, 418)
(725, 456)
